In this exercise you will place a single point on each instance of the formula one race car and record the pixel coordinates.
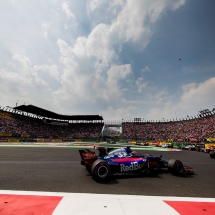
(123, 161)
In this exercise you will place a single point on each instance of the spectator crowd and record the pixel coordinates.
(23, 126)
(17, 125)
(199, 128)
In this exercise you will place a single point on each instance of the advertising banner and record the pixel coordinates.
(153, 143)
(68, 140)
(47, 140)
(13, 140)
(209, 145)
(25, 135)
(5, 135)
(132, 142)
(176, 145)
(210, 139)
(194, 140)
(156, 144)
(56, 140)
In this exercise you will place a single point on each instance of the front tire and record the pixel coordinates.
(100, 171)
(176, 166)
(212, 154)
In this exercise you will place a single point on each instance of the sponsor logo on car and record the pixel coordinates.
(132, 167)
(89, 155)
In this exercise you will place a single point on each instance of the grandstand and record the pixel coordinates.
(30, 123)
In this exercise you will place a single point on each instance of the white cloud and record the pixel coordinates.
(94, 4)
(98, 44)
(45, 27)
(166, 110)
(119, 113)
(161, 95)
(141, 84)
(146, 69)
(26, 72)
(86, 78)
(91, 65)
(118, 72)
(23, 84)
(71, 71)
(51, 69)
(65, 7)
(194, 97)
(199, 93)
(178, 4)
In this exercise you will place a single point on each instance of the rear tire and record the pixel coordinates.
(100, 171)
(212, 154)
(176, 166)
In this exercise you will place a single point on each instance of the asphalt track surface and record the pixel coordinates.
(59, 170)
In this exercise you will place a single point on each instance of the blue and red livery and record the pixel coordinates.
(123, 161)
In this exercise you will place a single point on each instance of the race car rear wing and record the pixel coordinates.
(87, 156)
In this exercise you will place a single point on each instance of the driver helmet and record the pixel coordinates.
(128, 150)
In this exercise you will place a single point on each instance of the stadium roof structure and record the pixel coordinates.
(48, 114)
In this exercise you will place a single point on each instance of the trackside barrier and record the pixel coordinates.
(159, 143)
(47, 140)
(154, 144)
(3, 140)
(132, 142)
(40, 140)
(179, 145)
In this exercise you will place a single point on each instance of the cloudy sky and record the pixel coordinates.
(115, 58)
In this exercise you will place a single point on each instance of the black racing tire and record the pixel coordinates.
(212, 154)
(197, 149)
(100, 171)
(176, 166)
